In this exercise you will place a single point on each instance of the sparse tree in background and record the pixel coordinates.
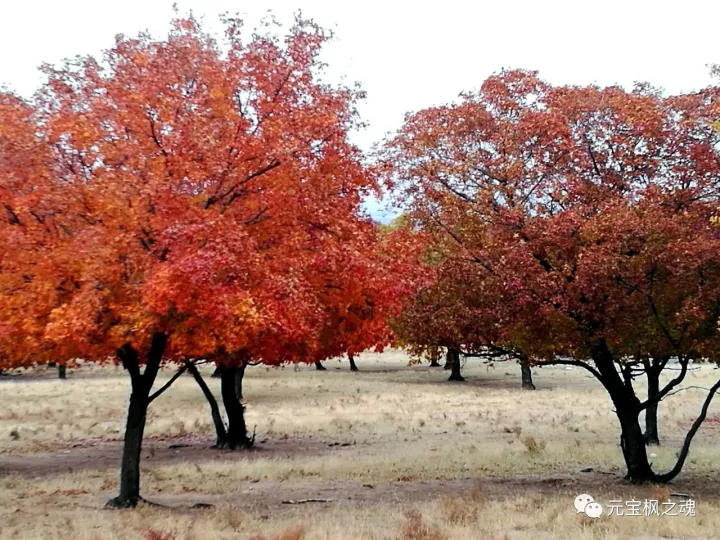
(575, 230)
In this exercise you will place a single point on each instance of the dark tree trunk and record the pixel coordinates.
(527, 382)
(236, 436)
(434, 363)
(353, 367)
(220, 432)
(448, 361)
(627, 409)
(239, 375)
(651, 423)
(320, 367)
(141, 384)
(62, 371)
(632, 443)
(455, 367)
(216, 373)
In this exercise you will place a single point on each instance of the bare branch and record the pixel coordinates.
(578, 363)
(672, 384)
(689, 437)
(168, 384)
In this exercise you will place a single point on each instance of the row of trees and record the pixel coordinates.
(189, 200)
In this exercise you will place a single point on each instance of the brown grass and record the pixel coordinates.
(397, 450)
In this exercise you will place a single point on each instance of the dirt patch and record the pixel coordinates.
(101, 454)
(272, 496)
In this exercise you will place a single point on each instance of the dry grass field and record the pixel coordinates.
(395, 451)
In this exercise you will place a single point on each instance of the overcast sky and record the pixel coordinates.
(409, 55)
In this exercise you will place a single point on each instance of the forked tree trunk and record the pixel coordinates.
(141, 384)
(320, 367)
(236, 436)
(62, 371)
(627, 409)
(651, 431)
(353, 367)
(527, 382)
(220, 432)
(455, 374)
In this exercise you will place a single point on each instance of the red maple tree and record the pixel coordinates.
(195, 195)
(575, 227)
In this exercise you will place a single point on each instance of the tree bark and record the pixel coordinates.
(236, 436)
(239, 376)
(220, 433)
(62, 371)
(455, 366)
(141, 384)
(527, 382)
(216, 373)
(627, 409)
(320, 367)
(353, 367)
(632, 443)
(448, 361)
(651, 422)
(434, 362)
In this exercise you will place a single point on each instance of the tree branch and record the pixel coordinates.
(672, 384)
(689, 437)
(168, 384)
(578, 363)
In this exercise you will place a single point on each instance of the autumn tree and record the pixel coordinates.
(33, 224)
(577, 220)
(379, 270)
(189, 186)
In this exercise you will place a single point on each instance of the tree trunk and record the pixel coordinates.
(216, 373)
(239, 375)
(141, 384)
(62, 371)
(220, 432)
(236, 436)
(448, 361)
(632, 443)
(455, 367)
(320, 367)
(434, 362)
(627, 409)
(651, 426)
(353, 367)
(527, 382)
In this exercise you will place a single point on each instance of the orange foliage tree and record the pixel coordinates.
(181, 198)
(363, 290)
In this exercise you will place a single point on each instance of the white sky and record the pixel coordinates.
(409, 55)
